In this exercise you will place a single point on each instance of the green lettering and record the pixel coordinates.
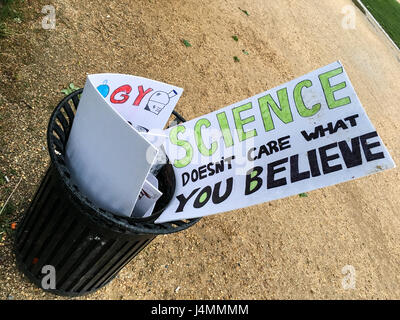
(226, 132)
(239, 122)
(173, 137)
(283, 112)
(330, 90)
(199, 139)
(298, 99)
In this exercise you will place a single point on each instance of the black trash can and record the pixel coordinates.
(62, 228)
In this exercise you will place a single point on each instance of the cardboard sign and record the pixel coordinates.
(108, 159)
(143, 102)
(309, 133)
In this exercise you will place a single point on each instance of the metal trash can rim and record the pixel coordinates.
(56, 148)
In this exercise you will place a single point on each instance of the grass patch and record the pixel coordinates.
(387, 13)
(2, 178)
(245, 12)
(186, 43)
(6, 222)
(71, 88)
(8, 11)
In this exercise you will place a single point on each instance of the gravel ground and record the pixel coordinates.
(294, 248)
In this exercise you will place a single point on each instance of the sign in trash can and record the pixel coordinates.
(84, 242)
(117, 180)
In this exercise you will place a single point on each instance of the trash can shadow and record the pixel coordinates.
(86, 245)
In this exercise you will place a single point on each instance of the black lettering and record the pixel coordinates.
(318, 132)
(272, 171)
(326, 168)
(352, 120)
(216, 198)
(352, 157)
(313, 162)
(219, 166)
(229, 161)
(263, 150)
(203, 172)
(182, 200)
(200, 201)
(329, 128)
(253, 182)
(194, 175)
(367, 147)
(339, 124)
(284, 143)
(210, 169)
(186, 176)
(273, 146)
(295, 175)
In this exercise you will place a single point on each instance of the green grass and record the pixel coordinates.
(245, 12)
(8, 11)
(186, 43)
(387, 13)
(2, 178)
(6, 220)
(71, 88)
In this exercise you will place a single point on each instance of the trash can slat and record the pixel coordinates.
(70, 113)
(70, 254)
(60, 133)
(64, 123)
(37, 226)
(53, 243)
(101, 266)
(90, 268)
(61, 227)
(133, 253)
(114, 263)
(27, 221)
(81, 259)
(36, 249)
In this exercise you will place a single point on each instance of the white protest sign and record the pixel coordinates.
(143, 102)
(147, 198)
(108, 159)
(309, 133)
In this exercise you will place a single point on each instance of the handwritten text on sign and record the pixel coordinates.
(309, 133)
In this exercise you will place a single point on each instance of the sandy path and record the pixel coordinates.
(290, 248)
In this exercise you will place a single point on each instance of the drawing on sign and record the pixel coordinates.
(104, 89)
(159, 100)
(143, 102)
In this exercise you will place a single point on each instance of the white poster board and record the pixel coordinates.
(108, 159)
(306, 134)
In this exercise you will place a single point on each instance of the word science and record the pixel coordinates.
(309, 133)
